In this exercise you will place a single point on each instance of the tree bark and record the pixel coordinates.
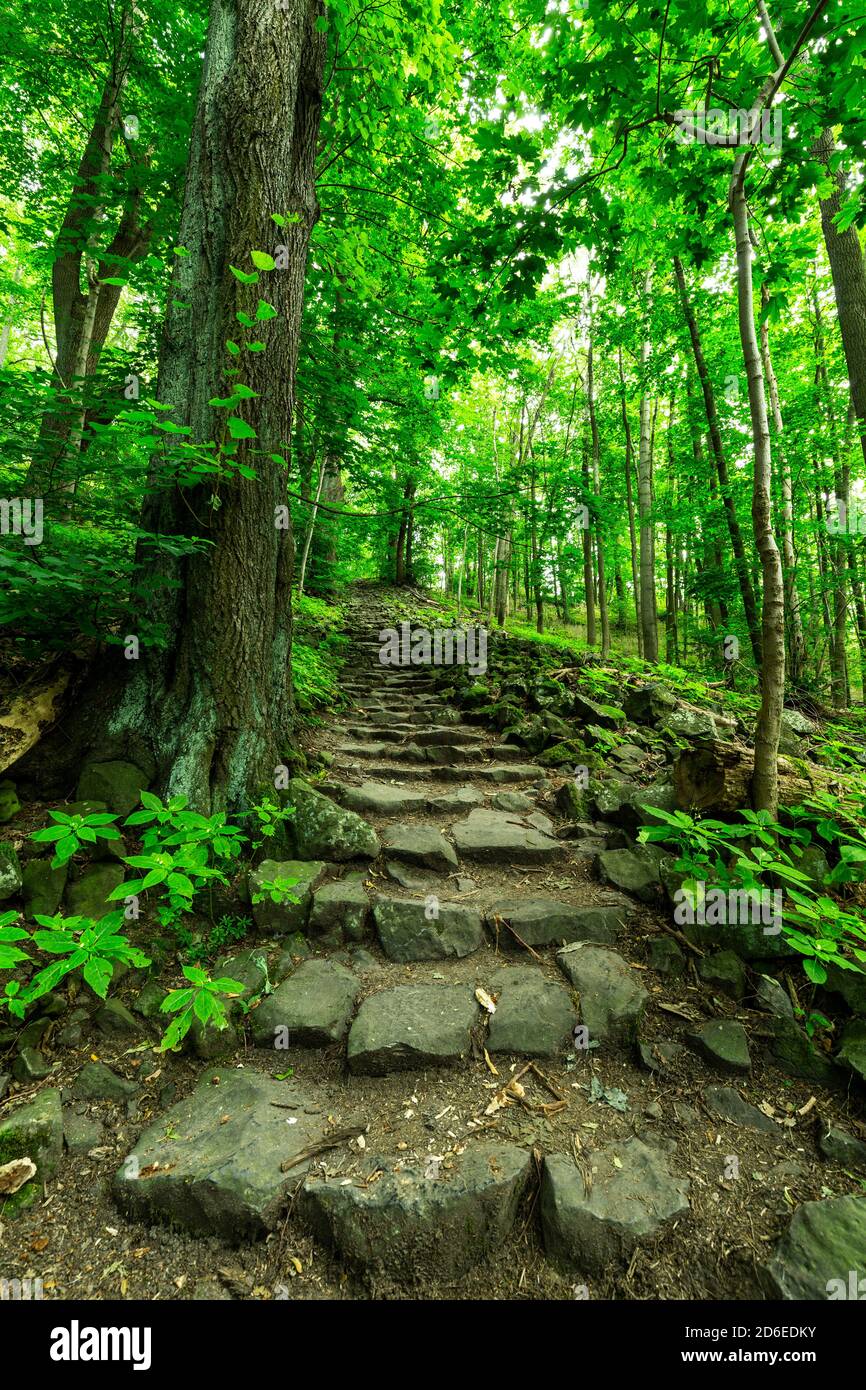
(648, 612)
(849, 282)
(214, 706)
(747, 591)
(765, 780)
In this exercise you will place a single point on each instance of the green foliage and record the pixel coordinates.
(201, 1000)
(70, 833)
(747, 855)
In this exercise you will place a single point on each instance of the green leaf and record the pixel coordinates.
(262, 260)
(239, 429)
(242, 275)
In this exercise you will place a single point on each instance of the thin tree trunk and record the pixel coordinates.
(747, 591)
(849, 282)
(649, 616)
(310, 529)
(766, 774)
(629, 455)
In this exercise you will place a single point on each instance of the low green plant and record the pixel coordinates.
(202, 1000)
(748, 854)
(70, 833)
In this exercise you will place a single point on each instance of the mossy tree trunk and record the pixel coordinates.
(213, 707)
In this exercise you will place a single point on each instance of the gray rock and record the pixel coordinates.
(380, 799)
(633, 1197)
(210, 1043)
(546, 922)
(432, 931)
(424, 1220)
(591, 712)
(283, 917)
(822, 1255)
(81, 1132)
(512, 801)
(852, 1047)
(340, 907)
(411, 880)
(794, 1054)
(320, 829)
(840, 1147)
(496, 837)
(725, 972)
(648, 704)
(612, 999)
(412, 1026)
(247, 968)
(30, 1065)
(659, 1056)
(115, 1019)
(96, 1081)
(10, 871)
(9, 803)
(771, 998)
(725, 1101)
(691, 724)
(631, 872)
(88, 895)
(118, 784)
(314, 1004)
(211, 1164)
(814, 862)
(42, 887)
(666, 957)
(450, 804)
(798, 723)
(424, 845)
(33, 1131)
(534, 1016)
(724, 1043)
(149, 1001)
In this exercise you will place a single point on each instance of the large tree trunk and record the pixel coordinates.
(214, 706)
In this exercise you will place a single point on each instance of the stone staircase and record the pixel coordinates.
(470, 1037)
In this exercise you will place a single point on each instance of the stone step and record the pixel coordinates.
(500, 774)
(495, 837)
(424, 845)
(414, 1221)
(425, 736)
(412, 1027)
(413, 930)
(384, 798)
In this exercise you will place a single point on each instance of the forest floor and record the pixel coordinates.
(76, 1240)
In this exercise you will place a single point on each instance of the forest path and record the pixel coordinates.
(469, 1069)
